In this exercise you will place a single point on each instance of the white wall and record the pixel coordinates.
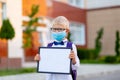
(14, 13)
(2, 0)
(91, 4)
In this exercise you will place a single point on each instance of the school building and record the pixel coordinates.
(86, 18)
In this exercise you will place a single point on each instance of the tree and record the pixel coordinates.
(117, 44)
(98, 43)
(7, 31)
(69, 36)
(29, 29)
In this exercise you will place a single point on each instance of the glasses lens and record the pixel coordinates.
(57, 29)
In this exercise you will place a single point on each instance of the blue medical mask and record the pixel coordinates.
(59, 36)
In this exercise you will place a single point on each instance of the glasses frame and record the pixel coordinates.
(57, 29)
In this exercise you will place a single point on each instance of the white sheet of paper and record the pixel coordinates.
(54, 60)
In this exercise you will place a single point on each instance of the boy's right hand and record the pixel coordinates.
(37, 57)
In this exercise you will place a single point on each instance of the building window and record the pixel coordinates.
(2, 12)
(71, 1)
(77, 3)
(77, 31)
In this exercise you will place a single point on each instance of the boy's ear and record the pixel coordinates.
(67, 30)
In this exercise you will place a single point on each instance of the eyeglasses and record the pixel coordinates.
(57, 29)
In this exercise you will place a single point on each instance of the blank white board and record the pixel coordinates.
(54, 60)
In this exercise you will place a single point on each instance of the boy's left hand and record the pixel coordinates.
(72, 56)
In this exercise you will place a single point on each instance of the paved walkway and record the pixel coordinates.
(85, 70)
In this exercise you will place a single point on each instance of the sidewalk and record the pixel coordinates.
(85, 70)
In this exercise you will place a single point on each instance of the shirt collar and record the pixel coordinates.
(65, 40)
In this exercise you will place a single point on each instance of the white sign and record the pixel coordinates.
(54, 60)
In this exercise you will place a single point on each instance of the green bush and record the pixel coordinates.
(118, 59)
(86, 53)
(110, 59)
(98, 43)
(117, 44)
(7, 30)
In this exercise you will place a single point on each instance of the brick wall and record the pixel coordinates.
(7, 62)
(109, 19)
(72, 13)
(11, 63)
(3, 48)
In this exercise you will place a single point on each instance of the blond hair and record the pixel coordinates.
(61, 20)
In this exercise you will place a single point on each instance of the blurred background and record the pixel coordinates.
(24, 26)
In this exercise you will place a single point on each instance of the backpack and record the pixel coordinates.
(73, 72)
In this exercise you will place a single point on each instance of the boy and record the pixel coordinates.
(60, 30)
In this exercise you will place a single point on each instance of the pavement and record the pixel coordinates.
(85, 70)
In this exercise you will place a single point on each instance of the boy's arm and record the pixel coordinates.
(72, 56)
(77, 64)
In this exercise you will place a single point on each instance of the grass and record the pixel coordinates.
(92, 62)
(16, 71)
(97, 62)
(102, 60)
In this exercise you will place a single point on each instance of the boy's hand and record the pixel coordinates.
(37, 57)
(72, 56)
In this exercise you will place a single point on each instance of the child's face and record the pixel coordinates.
(59, 32)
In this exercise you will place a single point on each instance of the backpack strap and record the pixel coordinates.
(50, 44)
(73, 72)
(69, 45)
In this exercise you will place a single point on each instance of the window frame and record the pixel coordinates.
(3, 10)
(80, 28)
(75, 3)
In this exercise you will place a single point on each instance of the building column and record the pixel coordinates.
(15, 51)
